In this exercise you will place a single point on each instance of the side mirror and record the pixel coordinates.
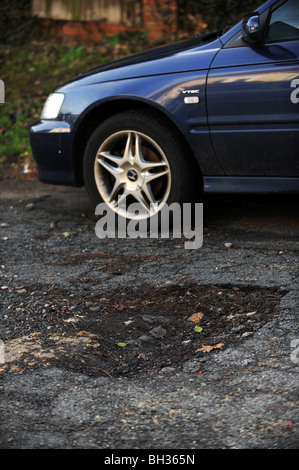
(251, 29)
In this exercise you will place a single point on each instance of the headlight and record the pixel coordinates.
(52, 106)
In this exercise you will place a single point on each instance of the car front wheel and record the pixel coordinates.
(134, 157)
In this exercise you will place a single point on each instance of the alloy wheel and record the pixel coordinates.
(130, 167)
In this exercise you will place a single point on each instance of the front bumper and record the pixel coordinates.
(51, 143)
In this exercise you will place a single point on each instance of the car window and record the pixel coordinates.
(284, 22)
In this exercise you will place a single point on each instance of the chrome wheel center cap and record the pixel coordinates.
(132, 175)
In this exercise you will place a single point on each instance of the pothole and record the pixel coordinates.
(123, 332)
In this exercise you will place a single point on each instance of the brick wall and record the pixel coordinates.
(159, 18)
(95, 18)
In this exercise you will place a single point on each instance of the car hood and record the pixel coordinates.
(194, 54)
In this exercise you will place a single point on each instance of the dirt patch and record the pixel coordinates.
(123, 332)
(16, 171)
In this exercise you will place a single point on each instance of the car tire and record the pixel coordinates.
(134, 157)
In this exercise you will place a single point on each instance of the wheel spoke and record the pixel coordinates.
(152, 176)
(139, 198)
(121, 200)
(113, 170)
(128, 153)
(109, 156)
(154, 165)
(115, 190)
(149, 194)
(138, 151)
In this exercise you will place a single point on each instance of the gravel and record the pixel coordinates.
(68, 298)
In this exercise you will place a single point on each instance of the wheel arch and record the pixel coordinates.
(102, 111)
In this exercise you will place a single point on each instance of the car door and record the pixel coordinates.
(253, 99)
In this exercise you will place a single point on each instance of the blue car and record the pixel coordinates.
(218, 113)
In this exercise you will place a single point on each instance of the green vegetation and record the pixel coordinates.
(32, 70)
(14, 134)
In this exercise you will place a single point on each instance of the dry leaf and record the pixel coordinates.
(196, 317)
(206, 348)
